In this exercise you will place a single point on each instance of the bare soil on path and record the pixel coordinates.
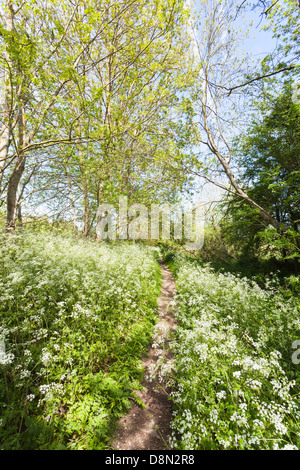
(149, 428)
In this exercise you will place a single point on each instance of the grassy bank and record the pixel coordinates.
(237, 385)
(75, 320)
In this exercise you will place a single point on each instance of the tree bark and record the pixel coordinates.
(86, 212)
(265, 215)
(72, 203)
(19, 206)
(15, 177)
(6, 123)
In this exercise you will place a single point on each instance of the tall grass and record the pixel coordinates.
(75, 318)
(237, 385)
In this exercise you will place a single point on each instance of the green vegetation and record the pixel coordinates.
(132, 103)
(75, 320)
(237, 386)
(269, 158)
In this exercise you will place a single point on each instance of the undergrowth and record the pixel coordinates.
(75, 320)
(237, 385)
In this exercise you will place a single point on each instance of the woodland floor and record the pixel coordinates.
(149, 428)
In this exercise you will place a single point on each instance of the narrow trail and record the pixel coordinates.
(149, 428)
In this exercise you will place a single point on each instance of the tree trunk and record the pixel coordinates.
(12, 188)
(268, 218)
(86, 213)
(19, 206)
(6, 125)
(15, 178)
(72, 203)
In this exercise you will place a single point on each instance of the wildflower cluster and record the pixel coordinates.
(236, 386)
(75, 320)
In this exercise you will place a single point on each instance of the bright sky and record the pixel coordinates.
(259, 43)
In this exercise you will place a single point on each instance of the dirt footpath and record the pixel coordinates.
(149, 428)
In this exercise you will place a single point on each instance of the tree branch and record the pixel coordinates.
(260, 77)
